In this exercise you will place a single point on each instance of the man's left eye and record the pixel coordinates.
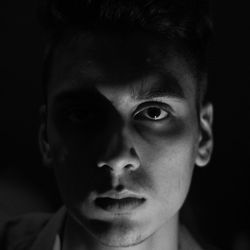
(152, 113)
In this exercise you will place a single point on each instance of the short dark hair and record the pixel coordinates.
(186, 22)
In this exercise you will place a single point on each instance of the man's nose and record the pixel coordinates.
(120, 155)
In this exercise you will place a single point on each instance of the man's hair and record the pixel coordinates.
(183, 22)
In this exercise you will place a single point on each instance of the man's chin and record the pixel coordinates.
(114, 230)
(117, 234)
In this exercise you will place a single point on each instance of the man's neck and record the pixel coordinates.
(75, 237)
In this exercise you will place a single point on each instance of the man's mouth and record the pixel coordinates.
(119, 202)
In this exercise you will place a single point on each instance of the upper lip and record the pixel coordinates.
(120, 195)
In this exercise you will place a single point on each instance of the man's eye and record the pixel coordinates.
(76, 116)
(152, 113)
(80, 115)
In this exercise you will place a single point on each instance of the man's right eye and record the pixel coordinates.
(76, 116)
(79, 115)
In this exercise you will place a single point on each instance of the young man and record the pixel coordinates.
(123, 125)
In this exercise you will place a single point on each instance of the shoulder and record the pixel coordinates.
(20, 232)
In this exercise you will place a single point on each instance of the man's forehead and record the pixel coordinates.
(130, 54)
(153, 86)
(114, 60)
(102, 42)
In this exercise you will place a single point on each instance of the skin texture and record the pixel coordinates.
(121, 115)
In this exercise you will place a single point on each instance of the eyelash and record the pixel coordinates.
(153, 104)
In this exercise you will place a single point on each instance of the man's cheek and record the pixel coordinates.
(170, 160)
(75, 146)
(167, 142)
(172, 176)
(78, 177)
(165, 131)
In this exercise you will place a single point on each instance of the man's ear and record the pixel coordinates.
(43, 138)
(205, 146)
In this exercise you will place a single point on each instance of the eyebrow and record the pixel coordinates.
(164, 86)
(67, 96)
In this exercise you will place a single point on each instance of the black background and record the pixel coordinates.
(220, 192)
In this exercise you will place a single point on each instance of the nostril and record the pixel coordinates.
(130, 167)
(119, 188)
(105, 166)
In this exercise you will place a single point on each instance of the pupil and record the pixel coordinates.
(154, 112)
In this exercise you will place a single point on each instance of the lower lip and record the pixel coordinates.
(119, 205)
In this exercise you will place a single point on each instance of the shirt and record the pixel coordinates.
(41, 231)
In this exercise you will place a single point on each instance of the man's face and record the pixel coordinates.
(122, 133)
